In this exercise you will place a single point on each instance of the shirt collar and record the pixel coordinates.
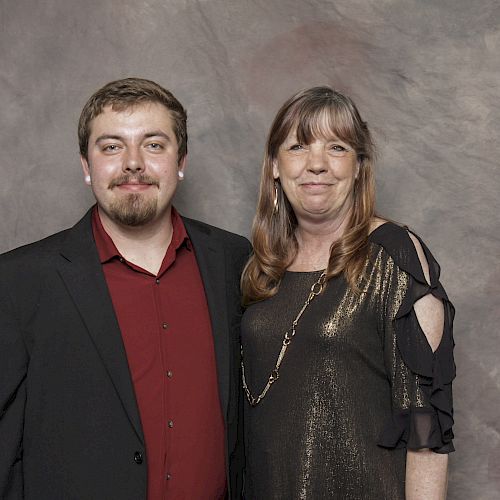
(107, 249)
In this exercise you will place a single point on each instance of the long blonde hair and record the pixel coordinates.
(273, 232)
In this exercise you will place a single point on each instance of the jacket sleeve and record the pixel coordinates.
(13, 373)
(238, 458)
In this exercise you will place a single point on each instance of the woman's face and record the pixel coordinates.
(317, 178)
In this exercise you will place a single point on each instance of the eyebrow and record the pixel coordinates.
(147, 135)
(105, 137)
(157, 133)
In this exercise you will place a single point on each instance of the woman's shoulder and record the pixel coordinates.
(393, 235)
(406, 248)
(382, 229)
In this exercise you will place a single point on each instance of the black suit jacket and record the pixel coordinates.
(69, 422)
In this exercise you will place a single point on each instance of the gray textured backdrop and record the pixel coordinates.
(425, 75)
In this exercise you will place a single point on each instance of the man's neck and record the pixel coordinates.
(144, 246)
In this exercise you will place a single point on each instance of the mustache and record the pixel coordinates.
(139, 179)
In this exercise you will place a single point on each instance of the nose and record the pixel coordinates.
(316, 161)
(133, 161)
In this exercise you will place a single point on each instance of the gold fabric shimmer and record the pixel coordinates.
(315, 434)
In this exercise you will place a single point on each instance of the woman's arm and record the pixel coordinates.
(426, 475)
(427, 471)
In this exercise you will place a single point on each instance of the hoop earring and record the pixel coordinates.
(276, 206)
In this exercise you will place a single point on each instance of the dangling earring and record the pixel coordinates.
(276, 206)
(180, 173)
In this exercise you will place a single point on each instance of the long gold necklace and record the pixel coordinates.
(316, 289)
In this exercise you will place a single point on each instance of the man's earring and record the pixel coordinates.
(88, 180)
(275, 201)
(180, 174)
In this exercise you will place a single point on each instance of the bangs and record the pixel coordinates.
(324, 122)
(320, 113)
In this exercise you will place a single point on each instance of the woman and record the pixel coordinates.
(347, 338)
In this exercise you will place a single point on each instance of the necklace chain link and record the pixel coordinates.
(316, 289)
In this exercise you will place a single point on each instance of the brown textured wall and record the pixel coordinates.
(424, 73)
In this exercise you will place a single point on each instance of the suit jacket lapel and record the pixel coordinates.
(211, 262)
(81, 271)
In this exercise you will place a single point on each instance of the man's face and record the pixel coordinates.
(132, 163)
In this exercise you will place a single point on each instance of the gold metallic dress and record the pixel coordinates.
(358, 386)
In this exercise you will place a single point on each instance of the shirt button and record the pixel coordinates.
(169, 476)
(164, 326)
(170, 423)
(170, 374)
(157, 281)
(138, 457)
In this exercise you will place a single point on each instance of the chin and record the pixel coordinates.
(134, 210)
(315, 210)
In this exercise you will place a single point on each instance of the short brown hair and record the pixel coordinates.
(126, 93)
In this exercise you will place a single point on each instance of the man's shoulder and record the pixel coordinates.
(38, 249)
(25, 268)
(226, 237)
(41, 251)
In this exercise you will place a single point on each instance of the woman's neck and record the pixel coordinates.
(315, 240)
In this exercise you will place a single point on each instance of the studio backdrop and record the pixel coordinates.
(425, 75)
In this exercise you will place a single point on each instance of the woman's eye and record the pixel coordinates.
(296, 147)
(338, 148)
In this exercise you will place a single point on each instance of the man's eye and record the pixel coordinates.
(155, 146)
(110, 148)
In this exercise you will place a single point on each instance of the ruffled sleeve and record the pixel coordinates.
(422, 409)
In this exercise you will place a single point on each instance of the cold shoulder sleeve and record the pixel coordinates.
(420, 378)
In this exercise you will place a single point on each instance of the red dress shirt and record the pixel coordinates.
(166, 330)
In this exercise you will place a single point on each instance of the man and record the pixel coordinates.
(119, 352)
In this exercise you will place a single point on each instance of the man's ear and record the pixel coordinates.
(180, 168)
(86, 170)
(182, 164)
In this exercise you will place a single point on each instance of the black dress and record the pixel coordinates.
(359, 383)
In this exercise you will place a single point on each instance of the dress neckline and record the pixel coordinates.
(378, 228)
(304, 272)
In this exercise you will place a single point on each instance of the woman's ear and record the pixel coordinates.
(276, 173)
(358, 168)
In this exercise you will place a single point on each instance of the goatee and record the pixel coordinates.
(133, 209)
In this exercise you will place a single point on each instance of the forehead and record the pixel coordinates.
(143, 116)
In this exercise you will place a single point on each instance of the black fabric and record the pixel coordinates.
(436, 370)
(69, 424)
(359, 383)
